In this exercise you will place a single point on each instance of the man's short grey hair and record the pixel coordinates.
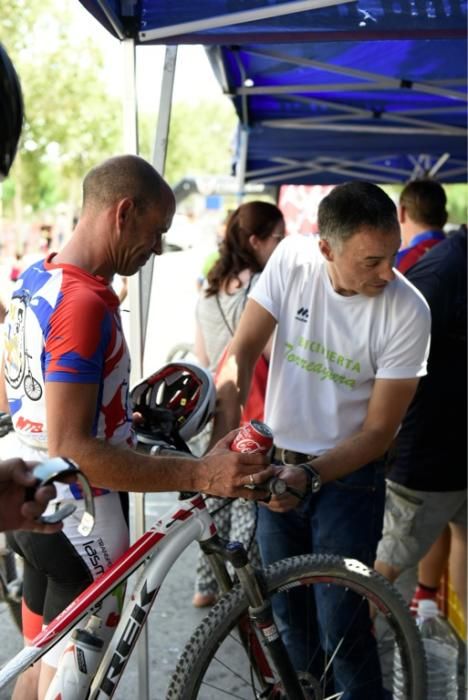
(124, 176)
(352, 206)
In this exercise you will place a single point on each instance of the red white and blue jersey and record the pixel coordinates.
(63, 325)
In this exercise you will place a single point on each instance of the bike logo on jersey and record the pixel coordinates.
(17, 369)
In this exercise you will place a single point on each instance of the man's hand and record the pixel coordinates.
(16, 514)
(227, 473)
(297, 480)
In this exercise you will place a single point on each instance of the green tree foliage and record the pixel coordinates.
(200, 139)
(71, 122)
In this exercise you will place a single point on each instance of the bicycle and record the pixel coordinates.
(264, 665)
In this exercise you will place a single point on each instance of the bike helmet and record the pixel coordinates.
(11, 113)
(177, 400)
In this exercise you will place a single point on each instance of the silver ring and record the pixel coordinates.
(251, 479)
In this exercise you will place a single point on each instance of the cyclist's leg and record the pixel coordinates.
(347, 520)
(282, 535)
(34, 588)
(94, 553)
(70, 563)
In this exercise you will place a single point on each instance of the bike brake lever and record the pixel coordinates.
(61, 469)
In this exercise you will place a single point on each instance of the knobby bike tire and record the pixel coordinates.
(191, 678)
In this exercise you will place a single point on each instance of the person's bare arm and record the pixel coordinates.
(70, 414)
(255, 327)
(388, 404)
(4, 407)
(200, 348)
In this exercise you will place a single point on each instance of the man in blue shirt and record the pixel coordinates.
(422, 213)
(426, 486)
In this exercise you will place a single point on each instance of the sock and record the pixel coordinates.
(422, 592)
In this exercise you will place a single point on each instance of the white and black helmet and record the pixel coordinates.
(179, 397)
(11, 112)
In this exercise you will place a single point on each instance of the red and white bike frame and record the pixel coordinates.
(161, 545)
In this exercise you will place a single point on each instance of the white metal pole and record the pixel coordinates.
(143, 291)
(242, 162)
(135, 340)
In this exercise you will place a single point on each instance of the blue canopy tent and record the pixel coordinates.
(326, 90)
(385, 110)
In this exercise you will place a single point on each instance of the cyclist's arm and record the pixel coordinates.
(255, 328)
(388, 404)
(71, 409)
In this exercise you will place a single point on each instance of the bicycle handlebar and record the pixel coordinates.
(61, 469)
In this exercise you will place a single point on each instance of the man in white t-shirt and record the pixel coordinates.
(352, 338)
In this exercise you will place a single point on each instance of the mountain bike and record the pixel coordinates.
(237, 649)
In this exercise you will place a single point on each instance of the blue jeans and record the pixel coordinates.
(344, 518)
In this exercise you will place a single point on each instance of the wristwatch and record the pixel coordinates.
(314, 480)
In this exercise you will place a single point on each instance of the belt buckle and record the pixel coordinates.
(283, 457)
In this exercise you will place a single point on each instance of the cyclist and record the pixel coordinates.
(15, 475)
(64, 340)
(351, 341)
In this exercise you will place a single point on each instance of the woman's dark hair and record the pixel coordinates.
(236, 253)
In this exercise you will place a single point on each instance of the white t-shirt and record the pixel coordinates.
(329, 348)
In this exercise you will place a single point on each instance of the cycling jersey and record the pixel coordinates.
(63, 325)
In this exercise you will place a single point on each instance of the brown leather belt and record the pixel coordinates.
(290, 456)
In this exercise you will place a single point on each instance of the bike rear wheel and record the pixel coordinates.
(215, 663)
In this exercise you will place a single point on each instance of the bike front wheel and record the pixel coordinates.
(217, 662)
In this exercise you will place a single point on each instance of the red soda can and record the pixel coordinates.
(253, 437)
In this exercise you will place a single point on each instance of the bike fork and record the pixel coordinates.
(260, 616)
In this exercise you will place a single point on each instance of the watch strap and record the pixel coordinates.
(314, 481)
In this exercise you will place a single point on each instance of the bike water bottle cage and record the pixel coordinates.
(177, 400)
(61, 469)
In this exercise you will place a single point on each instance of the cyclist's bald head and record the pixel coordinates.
(124, 176)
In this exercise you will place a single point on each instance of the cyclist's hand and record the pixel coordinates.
(227, 473)
(16, 514)
(297, 481)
